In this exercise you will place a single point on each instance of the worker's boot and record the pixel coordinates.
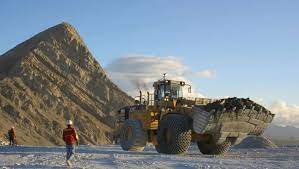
(68, 163)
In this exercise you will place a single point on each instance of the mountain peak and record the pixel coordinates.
(65, 24)
(61, 31)
(60, 43)
(62, 25)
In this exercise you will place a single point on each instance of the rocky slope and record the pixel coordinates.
(53, 77)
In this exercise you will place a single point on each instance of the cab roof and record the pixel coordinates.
(167, 81)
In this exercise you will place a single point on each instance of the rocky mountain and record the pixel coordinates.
(53, 77)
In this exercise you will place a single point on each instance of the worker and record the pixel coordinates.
(70, 138)
(12, 136)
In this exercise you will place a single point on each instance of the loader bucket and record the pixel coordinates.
(231, 118)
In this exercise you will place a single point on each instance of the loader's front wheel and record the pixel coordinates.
(174, 134)
(211, 148)
(132, 136)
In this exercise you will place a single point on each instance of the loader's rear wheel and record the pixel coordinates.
(174, 134)
(132, 137)
(210, 147)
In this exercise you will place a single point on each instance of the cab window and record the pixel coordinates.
(160, 92)
(176, 91)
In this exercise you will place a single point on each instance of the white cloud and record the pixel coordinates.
(206, 73)
(138, 72)
(258, 100)
(285, 114)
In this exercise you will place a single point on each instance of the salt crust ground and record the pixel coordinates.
(111, 156)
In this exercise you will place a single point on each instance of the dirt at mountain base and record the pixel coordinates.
(256, 142)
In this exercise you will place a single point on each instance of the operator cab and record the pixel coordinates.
(170, 89)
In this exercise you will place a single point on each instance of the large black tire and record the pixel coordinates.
(132, 136)
(174, 134)
(211, 148)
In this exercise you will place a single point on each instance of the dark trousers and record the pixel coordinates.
(12, 142)
(70, 151)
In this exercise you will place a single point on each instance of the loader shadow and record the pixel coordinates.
(105, 150)
(154, 161)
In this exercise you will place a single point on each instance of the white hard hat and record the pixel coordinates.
(69, 122)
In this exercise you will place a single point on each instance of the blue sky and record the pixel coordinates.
(252, 45)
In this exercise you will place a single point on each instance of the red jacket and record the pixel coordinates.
(70, 136)
(12, 133)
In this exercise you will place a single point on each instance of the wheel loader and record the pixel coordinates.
(171, 122)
